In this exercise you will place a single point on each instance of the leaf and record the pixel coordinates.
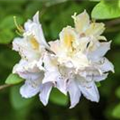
(117, 92)
(6, 36)
(98, 84)
(16, 99)
(116, 111)
(58, 98)
(6, 58)
(8, 22)
(13, 79)
(106, 10)
(51, 2)
(95, 0)
(117, 39)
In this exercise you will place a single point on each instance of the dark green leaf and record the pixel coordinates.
(16, 99)
(6, 36)
(117, 39)
(58, 98)
(118, 92)
(116, 111)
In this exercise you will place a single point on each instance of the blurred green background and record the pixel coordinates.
(54, 15)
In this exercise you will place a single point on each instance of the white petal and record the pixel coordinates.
(74, 93)
(30, 88)
(45, 92)
(36, 17)
(95, 29)
(27, 70)
(52, 73)
(60, 84)
(50, 77)
(24, 48)
(99, 78)
(90, 91)
(106, 66)
(55, 78)
(81, 21)
(100, 51)
(38, 32)
(55, 46)
(50, 63)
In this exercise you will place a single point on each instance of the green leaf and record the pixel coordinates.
(13, 79)
(116, 111)
(53, 2)
(117, 39)
(95, 0)
(16, 99)
(58, 98)
(8, 22)
(117, 92)
(98, 84)
(106, 10)
(6, 36)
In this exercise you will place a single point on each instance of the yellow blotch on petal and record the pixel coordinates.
(67, 37)
(34, 43)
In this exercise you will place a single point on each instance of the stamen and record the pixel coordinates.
(20, 28)
(20, 34)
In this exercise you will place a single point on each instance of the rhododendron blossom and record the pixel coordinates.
(32, 47)
(73, 63)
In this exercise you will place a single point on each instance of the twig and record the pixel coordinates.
(113, 22)
(5, 86)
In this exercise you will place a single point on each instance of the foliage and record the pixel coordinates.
(106, 10)
(13, 79)
(54, 16)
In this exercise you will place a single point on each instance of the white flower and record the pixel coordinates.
(81, 54)
(72, 64)
(32, 47)
(85, 27)
(32, 44)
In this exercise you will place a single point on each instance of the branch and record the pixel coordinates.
(5, 86)
(113, 22)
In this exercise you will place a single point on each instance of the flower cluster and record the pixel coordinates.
(73, 63)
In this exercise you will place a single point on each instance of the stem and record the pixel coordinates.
(113, 22)
(5, 86)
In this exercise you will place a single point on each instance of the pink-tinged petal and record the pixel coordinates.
(45, 92)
